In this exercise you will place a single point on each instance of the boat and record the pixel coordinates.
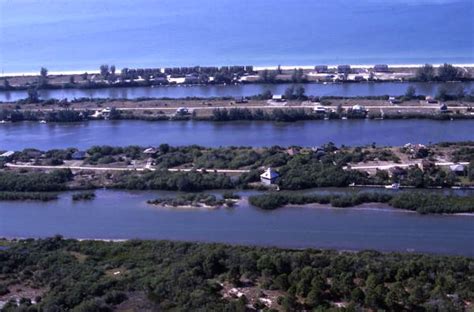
(42, 121)
(2, 121)
(394, 186)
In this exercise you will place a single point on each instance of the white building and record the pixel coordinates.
(269, 176)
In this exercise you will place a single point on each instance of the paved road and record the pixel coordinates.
(388, 166)
(191, 108)
(10, 165)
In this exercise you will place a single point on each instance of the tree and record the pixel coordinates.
(443, 93)
(44, 72)
(104, 70)
(300, 93)
(6, 84)
(471, 170)
(297, 75)
(425, 73)
(460, 93)
(410, 93)
(33, 96)
(279, 69)
(112, 69)
(289, 93)
(71, 80)
(43, 80)
(448, 72)
(268, 76)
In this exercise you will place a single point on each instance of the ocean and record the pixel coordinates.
(82, 35)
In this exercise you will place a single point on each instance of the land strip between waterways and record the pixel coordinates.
(45, 167)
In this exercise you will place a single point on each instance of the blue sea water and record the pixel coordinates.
(77, 35)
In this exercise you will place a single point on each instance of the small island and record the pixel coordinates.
(192, 201)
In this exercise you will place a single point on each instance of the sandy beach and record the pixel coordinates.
(257, 68)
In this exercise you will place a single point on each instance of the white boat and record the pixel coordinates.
(2, 121)
(394, 186)
(42, 121)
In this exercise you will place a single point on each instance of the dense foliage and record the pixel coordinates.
(35, 181)
(174, 181)
(193, 200)
(167, 276)
(83, 196)
(43, 196)
(421, 202)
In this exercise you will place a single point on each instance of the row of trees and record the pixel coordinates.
(445, 72)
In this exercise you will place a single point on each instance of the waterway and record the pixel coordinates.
(17, 136)
(316, 89)
(126, 215)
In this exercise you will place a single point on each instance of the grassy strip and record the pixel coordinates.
(417, 201)
(28, 196)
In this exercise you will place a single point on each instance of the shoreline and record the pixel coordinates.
(334, 248)
(258, 68)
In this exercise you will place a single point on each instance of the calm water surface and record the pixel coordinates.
(345, 89)
(16, 136)
(116, 214)
(80, 35)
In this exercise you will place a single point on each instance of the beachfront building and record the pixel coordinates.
(269, 176)
(321, 69)
(344, 69)
(381, 68)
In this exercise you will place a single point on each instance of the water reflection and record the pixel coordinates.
(350, 89)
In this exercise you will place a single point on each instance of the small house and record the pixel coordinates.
(150, 151)
(358, 109)
(457, 169)
(7, 155)
(78, 155)
(393, 100)
(182, 111)
(319, 110)
(269, 176)
(431, 100)
(277, 98)
(241, 100)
